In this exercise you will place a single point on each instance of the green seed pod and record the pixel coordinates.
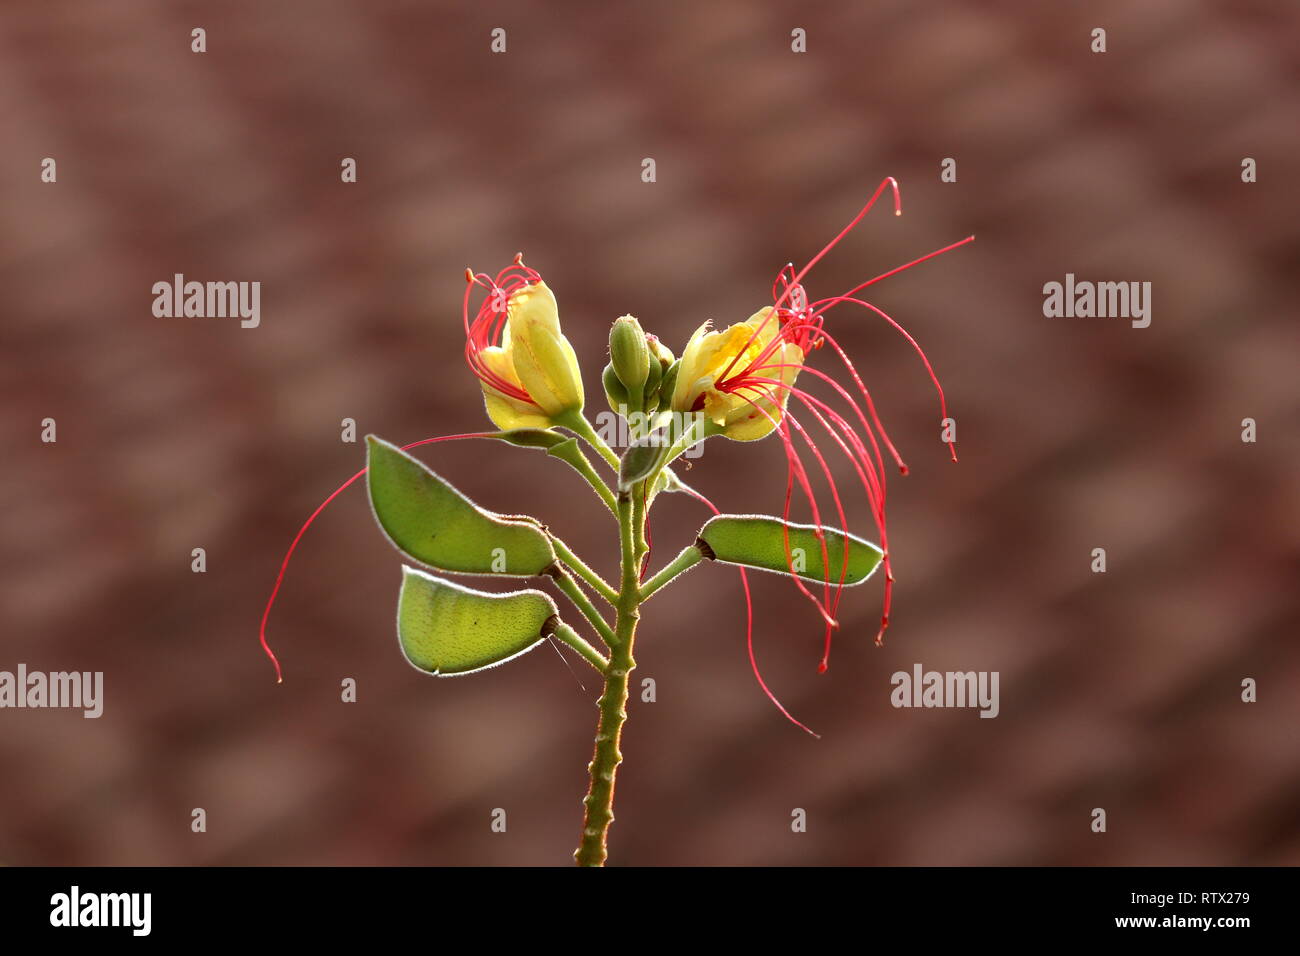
(629, 354)
(759, 541)
(433, 523)
(446, 629)
(615, 391)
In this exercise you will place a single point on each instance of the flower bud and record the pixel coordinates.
(668, 383)
(629, 354)
(527, 368)
(615, 391)
(660, 351)
(543, 358)
(652, 383)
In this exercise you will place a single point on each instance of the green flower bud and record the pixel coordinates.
(615, 391)
(669, 381)
(629, 354)
(652, 383)
(660, 351)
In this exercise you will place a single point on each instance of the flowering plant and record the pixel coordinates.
(740, 382)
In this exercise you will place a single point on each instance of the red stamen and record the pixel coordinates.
(796, 470)
(489, 322)
(284, 565)
(867, 476)
(795, 281)
(943, 403)
(749, 627)
(803, 325)
(885, 275)
(873, 483)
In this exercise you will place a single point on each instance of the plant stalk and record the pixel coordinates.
(580, 567)
(689, 557)
(571, 637)
(599, 802)
(564, 581)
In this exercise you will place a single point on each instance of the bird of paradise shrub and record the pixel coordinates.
(741, 382)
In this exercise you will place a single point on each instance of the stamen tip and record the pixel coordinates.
(469, 274)
(821, 667)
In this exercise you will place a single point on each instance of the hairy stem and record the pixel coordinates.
(577, 423)
(564, 581)
(689, 557)
(599, 802)
(582, 466)
(571, 637)
(580, 567)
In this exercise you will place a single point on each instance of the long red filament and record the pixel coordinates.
(798, 277)
(802, 323)
(749, 627)
(831, 606)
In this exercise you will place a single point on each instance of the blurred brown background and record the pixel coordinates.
(1118, 690)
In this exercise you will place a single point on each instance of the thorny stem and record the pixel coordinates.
(599, 802)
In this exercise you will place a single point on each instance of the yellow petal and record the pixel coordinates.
(543, 359)
(709, 356)
(506, 411)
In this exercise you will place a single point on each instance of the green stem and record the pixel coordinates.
(564, 581)
(582, 466)
(689, 557)
(576, 564)
(571, 637)
(577, 423)
(599, 802)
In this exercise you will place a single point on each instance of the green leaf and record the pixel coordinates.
(759, 541)
(433, 523)
(446, 629)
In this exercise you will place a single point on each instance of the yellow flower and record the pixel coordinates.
(532, 378)
(715, 376)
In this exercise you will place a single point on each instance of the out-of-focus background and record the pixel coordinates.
(1118, 690)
